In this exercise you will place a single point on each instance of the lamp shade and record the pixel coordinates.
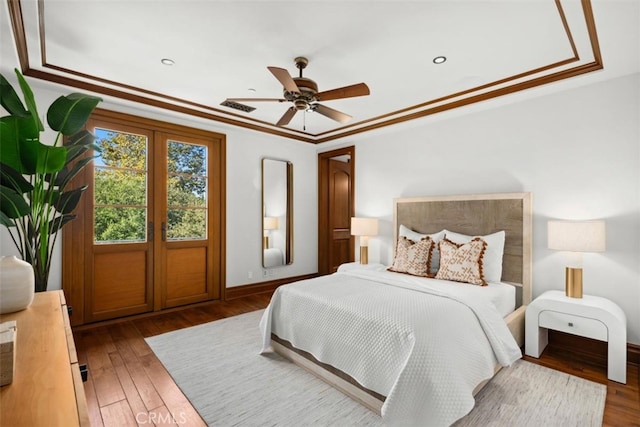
(364, 226)
(577, 236)
(270, 223)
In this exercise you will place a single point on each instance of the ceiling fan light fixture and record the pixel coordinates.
(439, 59)
(300, 104)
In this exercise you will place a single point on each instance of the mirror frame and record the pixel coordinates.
(288, 226)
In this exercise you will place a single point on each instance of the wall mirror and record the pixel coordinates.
(277, 212)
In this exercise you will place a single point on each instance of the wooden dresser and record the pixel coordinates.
(47, 388)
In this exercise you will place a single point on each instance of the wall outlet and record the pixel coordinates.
(250, 274)
(265, 273)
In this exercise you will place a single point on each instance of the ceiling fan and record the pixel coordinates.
(303, 93)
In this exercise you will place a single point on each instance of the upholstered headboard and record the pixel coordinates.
(478, 214)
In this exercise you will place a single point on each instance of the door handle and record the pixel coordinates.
(163, 228)
(150, 232)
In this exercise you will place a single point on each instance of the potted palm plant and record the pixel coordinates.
(34, 200)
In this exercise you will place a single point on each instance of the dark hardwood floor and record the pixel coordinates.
(128, 386)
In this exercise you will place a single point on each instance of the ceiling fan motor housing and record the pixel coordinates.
(308, 89)
(306, 85)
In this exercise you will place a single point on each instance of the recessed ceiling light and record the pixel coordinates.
(167, 61)
(439, 59)
(251, 89)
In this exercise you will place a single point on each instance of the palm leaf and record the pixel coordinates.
(58, 222)
(6, 221)
(30, 100)
(66, 202)
(68, 114)
(9, 99)
(13, 203)
(15, 132)
(9, 177)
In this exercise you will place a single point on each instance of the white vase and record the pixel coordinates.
(16, 284)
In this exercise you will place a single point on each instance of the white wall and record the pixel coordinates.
(577, 151)
(244, 206)
(245, 150)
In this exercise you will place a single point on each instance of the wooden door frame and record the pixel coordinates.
(74, 247)
(324, 266)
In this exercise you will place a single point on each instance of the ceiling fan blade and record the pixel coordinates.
(331, 113)
(286, 118)
(285, 78)
(256, 99)
(359, 89)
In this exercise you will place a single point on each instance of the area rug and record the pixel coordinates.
(219, 370)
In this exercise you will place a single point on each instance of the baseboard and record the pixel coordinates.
(588, 349)
(633, 354)
(262, 287)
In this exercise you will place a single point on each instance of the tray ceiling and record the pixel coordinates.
(221, 49)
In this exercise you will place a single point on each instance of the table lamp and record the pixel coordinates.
(365, 228)
(269, 223)
(576, 237)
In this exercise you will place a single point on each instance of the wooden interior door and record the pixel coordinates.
(341, 247)
(189, 229)
(118, 233)
(336, 207)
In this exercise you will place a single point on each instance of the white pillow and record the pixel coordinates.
(416, 237)
(492, 261)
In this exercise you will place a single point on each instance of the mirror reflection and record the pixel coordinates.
(277, 218)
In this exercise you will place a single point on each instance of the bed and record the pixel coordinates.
(411, 348)
(272, 257)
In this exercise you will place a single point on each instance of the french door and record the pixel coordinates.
(189, 225)
(153, 219)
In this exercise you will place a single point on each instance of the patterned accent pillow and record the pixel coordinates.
(413, 257)
(462, 263)
(436, 237)
(492, 259)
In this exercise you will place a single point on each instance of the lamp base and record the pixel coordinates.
(573, 282)
(364, 255)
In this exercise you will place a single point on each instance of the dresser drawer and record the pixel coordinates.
(571, 324)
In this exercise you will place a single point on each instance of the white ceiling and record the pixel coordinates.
(222, 49)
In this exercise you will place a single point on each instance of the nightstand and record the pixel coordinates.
(590, 316)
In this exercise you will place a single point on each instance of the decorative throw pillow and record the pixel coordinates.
(416, 237)
(413, 257)
(492, 260)
(462, 263)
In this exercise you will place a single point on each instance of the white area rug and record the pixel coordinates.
(218, 368)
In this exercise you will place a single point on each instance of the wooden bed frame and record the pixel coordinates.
(477, 214)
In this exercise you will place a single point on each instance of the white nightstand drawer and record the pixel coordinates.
(577, 325)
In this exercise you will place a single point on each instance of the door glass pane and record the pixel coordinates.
(120, 187)
(186, 191)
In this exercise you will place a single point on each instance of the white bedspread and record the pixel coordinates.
(424, 349)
